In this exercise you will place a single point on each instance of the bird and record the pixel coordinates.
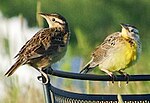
(117, 52)
(46, 47)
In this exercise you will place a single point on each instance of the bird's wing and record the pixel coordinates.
(44, 42)
(100, 52)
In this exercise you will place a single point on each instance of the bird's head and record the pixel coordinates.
(54, 20)
(129, 31)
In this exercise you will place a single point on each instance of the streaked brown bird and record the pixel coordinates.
(46, 47)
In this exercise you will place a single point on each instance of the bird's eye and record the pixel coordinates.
(53, 19)
(132, 30)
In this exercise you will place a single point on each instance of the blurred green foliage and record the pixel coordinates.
(92, 19)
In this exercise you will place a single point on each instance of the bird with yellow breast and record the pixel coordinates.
(119, 51)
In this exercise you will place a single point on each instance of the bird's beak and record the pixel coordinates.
(47, 17)
(124, 26)
(43, 15)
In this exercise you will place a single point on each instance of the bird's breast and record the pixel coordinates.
(123, 55)
(61, 51)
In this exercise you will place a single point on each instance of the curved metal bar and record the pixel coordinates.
(97, 77)
(99, 97)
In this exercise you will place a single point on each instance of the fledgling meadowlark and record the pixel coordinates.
(46, 47)
(118, 51)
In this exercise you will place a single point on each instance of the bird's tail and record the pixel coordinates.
(87, 68)
(13, 68)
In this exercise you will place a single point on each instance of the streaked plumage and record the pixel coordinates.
(119, 51)
(46, 47)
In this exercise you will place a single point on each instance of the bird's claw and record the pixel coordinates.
(39, 78)
(113, 77)
(127, 78)
(43, 78)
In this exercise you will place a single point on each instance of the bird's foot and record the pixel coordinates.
(43, 78)
(110, 74)
(113, 77)
(39, 78)
(126, 76)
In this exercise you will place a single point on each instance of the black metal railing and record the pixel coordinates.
(56, 95)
